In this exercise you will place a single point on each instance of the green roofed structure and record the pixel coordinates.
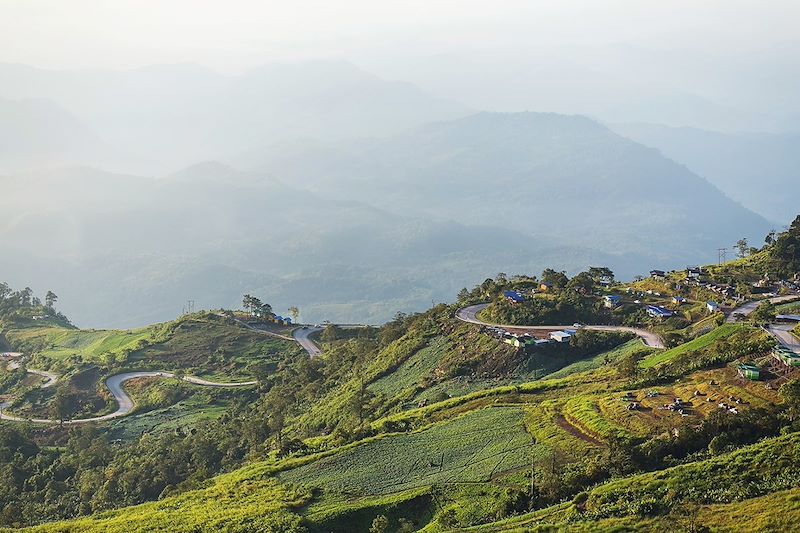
(786, 356)
(749, 371)
(520, 342)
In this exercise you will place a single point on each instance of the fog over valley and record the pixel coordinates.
(357, 182)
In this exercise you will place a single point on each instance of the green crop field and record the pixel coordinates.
(409, 374)
(470, 448)
(725, 330)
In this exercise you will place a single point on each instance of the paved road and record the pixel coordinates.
(114, 385)
(302, 336)
(469, 314)
(783, 334)
(748, 307)
(51, 377)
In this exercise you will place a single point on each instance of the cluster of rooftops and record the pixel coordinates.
(613, 300)
(526, 340)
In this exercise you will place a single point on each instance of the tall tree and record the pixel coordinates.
(742, 247)
(64, 404)
(26, 297)
(247, 303)
(294, 312)
(601, 274)
(555, 278)
(583, 283)
(50, 299)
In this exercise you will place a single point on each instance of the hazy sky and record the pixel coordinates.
(236, 34)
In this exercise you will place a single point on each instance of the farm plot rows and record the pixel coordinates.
(469, 449)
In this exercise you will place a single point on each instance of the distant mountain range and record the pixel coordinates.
(36, 133)
(760, 170)
(123, 251)
(357, 230)
(562, 179)
(167, 116)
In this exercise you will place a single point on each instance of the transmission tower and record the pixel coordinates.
(188, 309)
(721, 255)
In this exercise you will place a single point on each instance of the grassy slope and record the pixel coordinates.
(234, 503)
(584, 365)
(202, 344)
(205, 342)
(788, 308)
(725, 330)
(89, 345)
(758, 479)
(464, 441)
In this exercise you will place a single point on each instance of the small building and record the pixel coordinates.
(678, 300)
(713, 307)
(786, 356)
(611, 301)
(513, 296)
(658, 274)
(544, 287)
(694, 272)
(657, 311)
(749, 371)
(521, 341)
(560, 336)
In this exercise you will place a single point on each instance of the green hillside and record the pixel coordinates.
(427, 423)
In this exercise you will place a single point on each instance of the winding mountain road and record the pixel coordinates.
(114, 384)
(780, 332)
(301, 335)
(470, 314)
(748, 307)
